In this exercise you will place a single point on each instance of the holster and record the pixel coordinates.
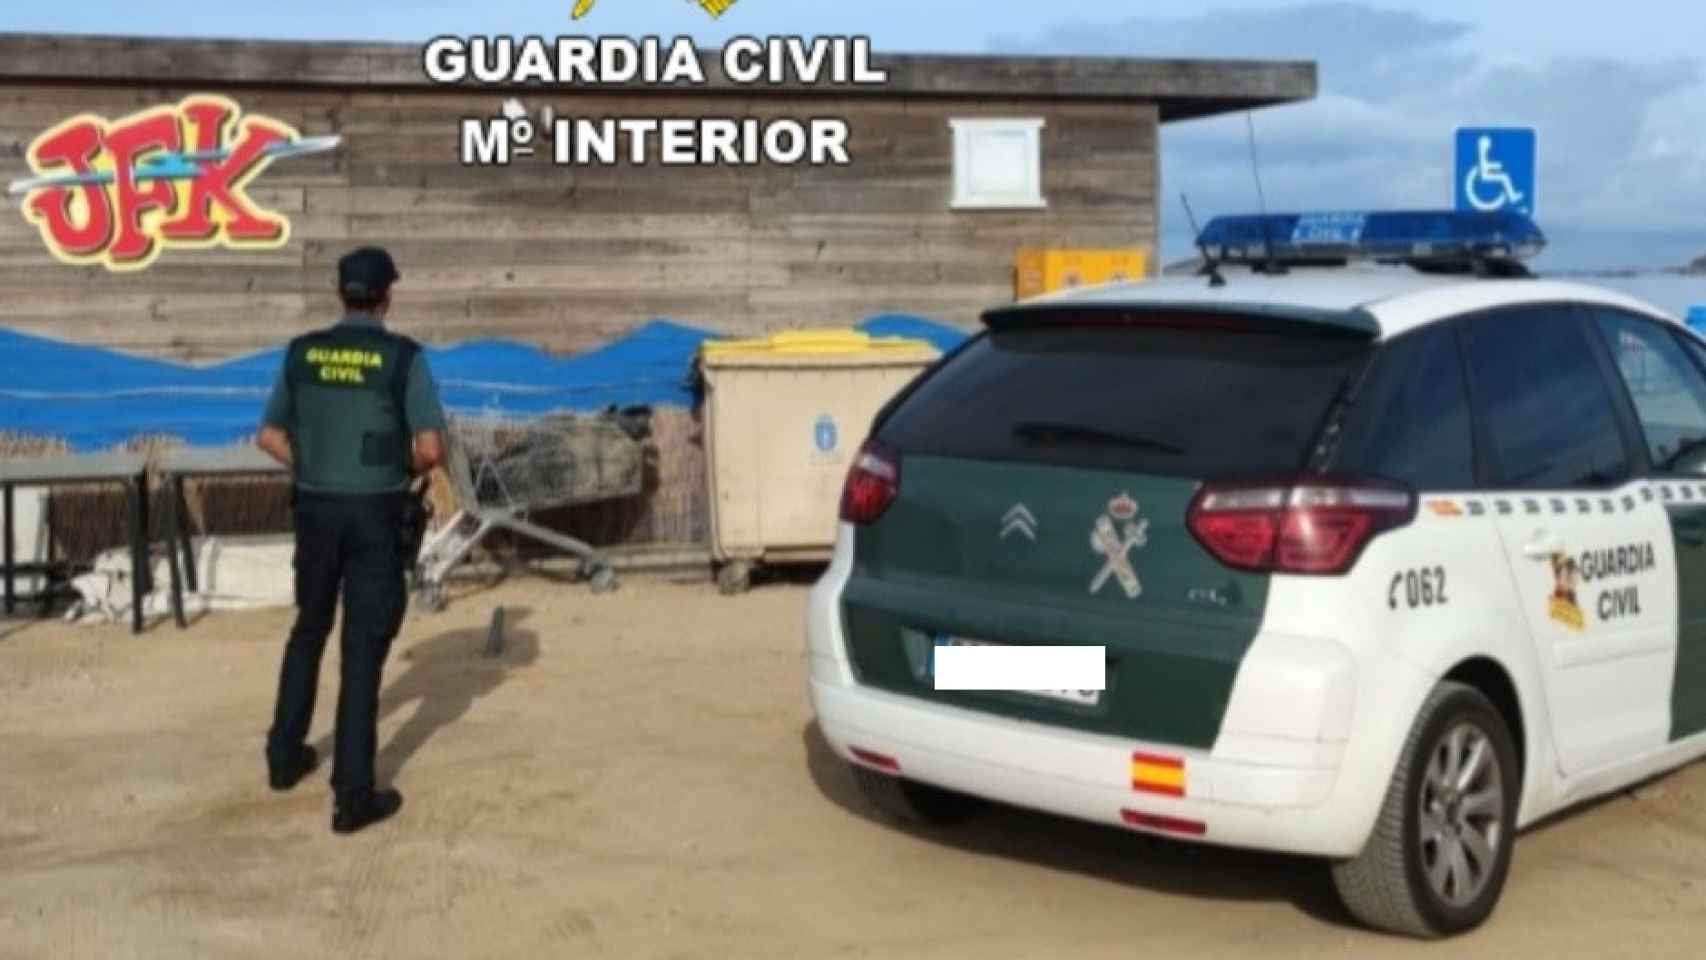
(414, 517)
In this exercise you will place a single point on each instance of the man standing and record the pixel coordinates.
(354, 415)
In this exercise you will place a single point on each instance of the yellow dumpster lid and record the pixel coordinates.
(821, 343)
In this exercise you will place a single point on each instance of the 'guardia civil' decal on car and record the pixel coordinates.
(1616, 567)
(1606, 565)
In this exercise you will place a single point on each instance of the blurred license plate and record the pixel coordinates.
(1082, 698)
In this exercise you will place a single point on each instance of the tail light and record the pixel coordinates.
(1152, 821)
(1317, 527)
(871, 758)
(872, 484)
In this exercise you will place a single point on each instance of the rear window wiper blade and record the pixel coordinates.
(1041, 431)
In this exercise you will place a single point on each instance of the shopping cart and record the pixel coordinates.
(503, 470)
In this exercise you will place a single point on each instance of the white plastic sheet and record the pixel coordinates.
(234, 573)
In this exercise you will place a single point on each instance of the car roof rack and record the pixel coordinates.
(1490, 245)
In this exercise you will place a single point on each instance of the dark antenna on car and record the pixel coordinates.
(1210, 268)
(1272, 265)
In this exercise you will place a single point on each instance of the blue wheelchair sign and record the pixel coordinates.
(1495, 169)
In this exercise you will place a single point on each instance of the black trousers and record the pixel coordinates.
(351, 545)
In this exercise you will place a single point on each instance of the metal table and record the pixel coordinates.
(181, 464)
(129, 469)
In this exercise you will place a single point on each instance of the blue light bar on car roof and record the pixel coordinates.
(1406, 235)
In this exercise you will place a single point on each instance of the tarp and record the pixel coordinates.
(944, 338)
(94, 398)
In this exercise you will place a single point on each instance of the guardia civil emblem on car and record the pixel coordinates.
(1116, 534)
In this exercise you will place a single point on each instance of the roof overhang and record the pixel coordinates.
(1182, 89)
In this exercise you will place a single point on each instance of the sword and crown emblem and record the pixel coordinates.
(1116, 534)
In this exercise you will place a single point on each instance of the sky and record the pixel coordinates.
(1617, 93)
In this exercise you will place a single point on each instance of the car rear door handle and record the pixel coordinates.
(1544, 546)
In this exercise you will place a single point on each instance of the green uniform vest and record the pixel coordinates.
(348, 430)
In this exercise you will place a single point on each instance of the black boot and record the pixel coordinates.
(286, 775)
(353, 812)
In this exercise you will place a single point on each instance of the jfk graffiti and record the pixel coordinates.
(119, 192)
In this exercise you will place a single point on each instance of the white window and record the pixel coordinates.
(998, 164)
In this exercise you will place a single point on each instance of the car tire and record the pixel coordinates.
(1441, 848)
(915, 803)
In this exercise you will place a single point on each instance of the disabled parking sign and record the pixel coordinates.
(1495, 169)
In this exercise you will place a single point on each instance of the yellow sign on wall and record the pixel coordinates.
(1048, 271)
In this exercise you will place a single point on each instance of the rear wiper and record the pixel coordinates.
(1043, 431)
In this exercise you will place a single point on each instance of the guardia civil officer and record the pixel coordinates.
(355, 415)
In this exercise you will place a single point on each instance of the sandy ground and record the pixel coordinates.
(639, 777)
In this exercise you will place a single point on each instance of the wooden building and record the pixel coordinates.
(570, 257)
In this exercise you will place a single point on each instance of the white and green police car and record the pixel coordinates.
(1389, 560)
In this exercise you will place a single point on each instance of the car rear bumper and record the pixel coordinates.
(1286, 772)
(1087, 776)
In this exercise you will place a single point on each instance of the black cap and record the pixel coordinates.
(366, 273)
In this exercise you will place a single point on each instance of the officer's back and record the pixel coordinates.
(356, 416)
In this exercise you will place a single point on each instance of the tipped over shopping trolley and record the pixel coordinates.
(504, 470)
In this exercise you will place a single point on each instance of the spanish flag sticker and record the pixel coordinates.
(1153, 774)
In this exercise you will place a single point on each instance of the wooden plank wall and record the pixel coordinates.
(570, 257)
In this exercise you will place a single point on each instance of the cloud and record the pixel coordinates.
(1622, 143)
(1359, 47)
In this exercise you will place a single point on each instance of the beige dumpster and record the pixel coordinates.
(784, 417)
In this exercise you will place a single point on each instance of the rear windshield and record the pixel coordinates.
(1200, 403)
